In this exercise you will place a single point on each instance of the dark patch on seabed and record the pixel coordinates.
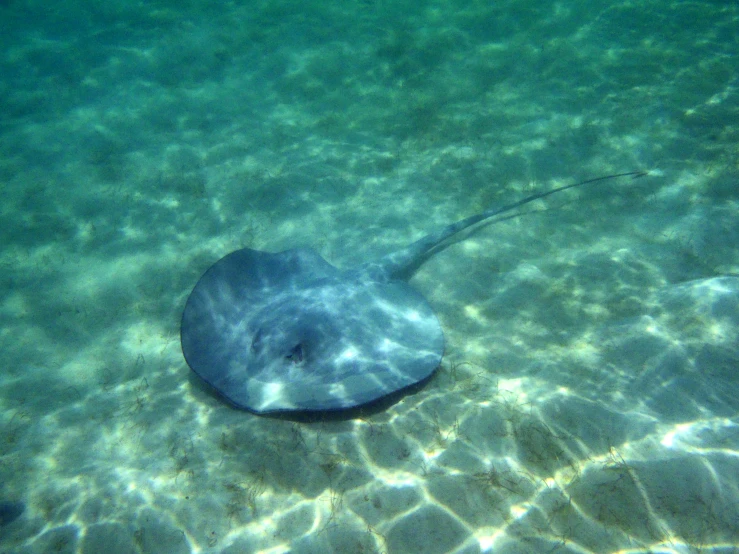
(10, 511)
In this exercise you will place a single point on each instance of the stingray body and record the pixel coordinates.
(288, 331)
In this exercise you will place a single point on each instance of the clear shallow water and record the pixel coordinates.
(588, 396)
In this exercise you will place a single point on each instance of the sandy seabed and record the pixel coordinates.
(588, 398)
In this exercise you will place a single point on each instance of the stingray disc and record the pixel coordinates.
(288, 331)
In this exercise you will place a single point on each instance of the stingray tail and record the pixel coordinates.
(403, 263)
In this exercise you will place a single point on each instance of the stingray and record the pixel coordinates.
(288, 331)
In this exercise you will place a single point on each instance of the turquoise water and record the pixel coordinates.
(588, 400)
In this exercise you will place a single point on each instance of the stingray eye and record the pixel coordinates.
(296, 354)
